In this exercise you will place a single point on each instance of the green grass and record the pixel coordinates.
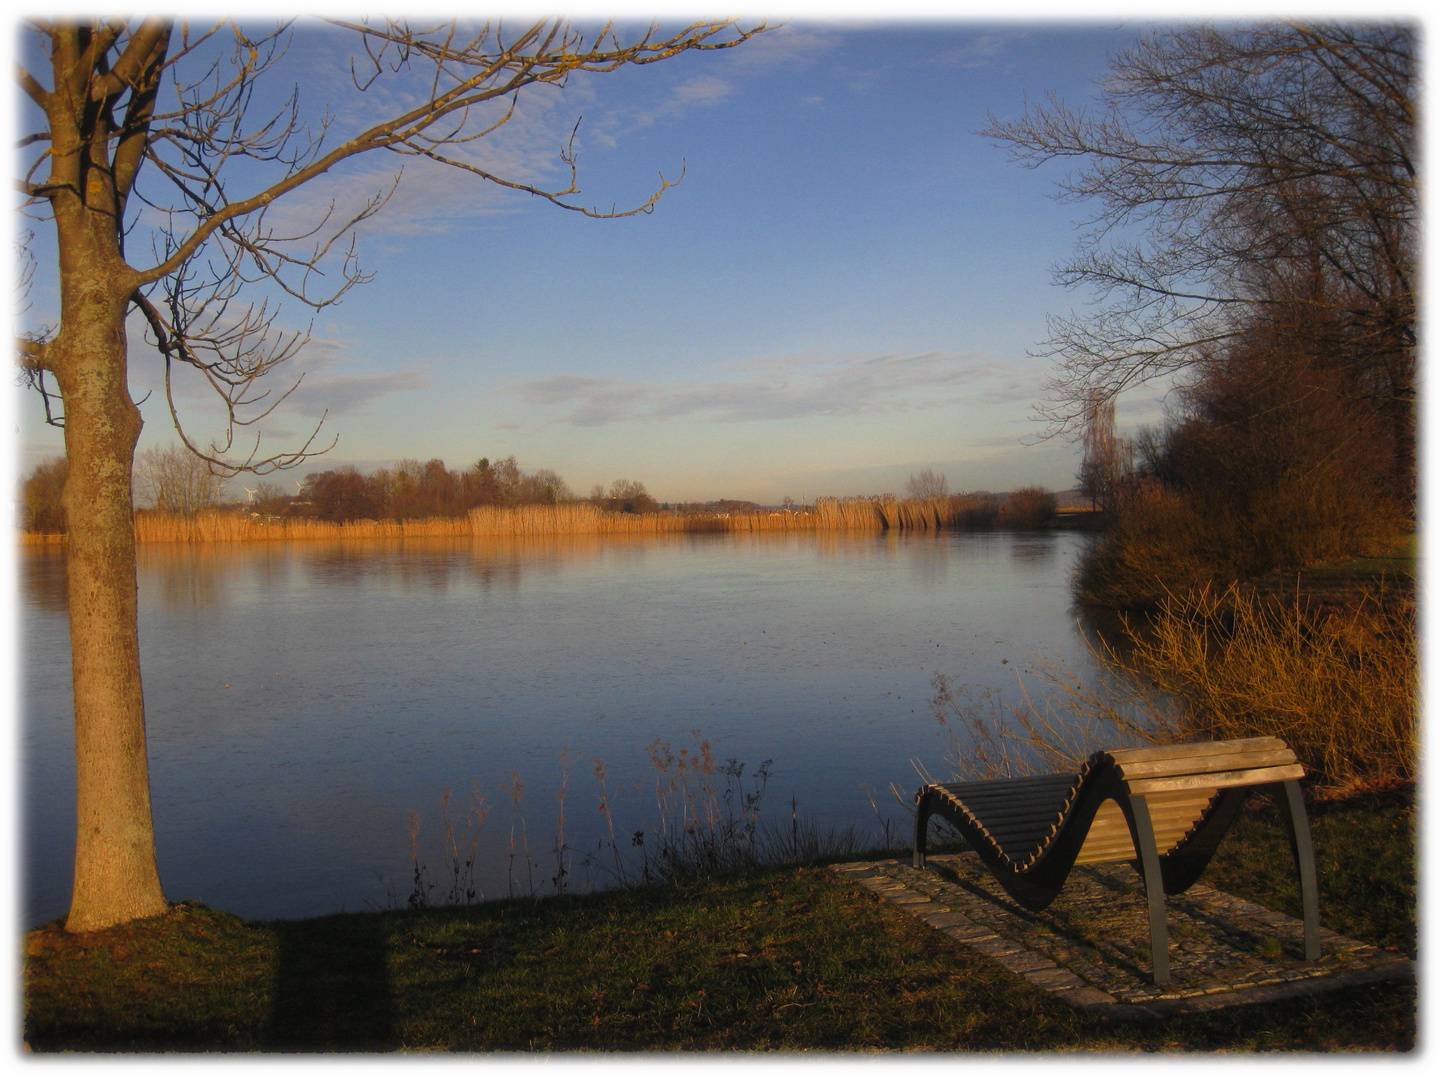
(783, 959)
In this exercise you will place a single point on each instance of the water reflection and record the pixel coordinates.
(1034, 549)
(194, 581)
(42, 577)
(303, 698)
(438, 563)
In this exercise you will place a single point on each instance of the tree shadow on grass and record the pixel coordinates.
(332, 987)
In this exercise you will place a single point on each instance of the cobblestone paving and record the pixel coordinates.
(1091, 946)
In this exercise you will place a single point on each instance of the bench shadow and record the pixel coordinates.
(332, 987)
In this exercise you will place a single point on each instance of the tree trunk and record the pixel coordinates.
(116, 878)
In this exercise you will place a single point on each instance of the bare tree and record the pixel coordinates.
(629, 497)
(41, 508)
(175, 481)
(151, 157)
(1264, 174)
(1104, 454)
(927, 484)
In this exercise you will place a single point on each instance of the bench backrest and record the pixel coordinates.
(1178, 783)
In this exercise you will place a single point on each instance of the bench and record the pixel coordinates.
(1164, 807)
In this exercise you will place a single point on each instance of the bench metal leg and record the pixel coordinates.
(1154, 890)
(922, 822)
(1300, 848)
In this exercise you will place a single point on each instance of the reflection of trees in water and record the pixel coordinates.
(433, 564)
(272, 566)
(928, 558)
(846, 545)
(42, 578)
(1034, 549)
(187, 576)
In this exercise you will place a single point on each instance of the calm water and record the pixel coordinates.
(302, 700)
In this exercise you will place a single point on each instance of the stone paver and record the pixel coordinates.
(1091, 947)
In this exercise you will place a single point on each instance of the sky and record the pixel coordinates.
(848, 285)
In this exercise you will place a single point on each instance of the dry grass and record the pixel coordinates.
(1340, 685)
(870, 513)
(1058, 721)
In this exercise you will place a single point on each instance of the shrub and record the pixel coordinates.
(1027, 508)
(1271, 464)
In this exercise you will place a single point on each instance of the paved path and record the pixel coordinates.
(1091, 947)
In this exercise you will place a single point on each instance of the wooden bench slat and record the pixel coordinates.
(1020, 783)
(1162, 799)
(1020, 848)
(1149, 753)
(1019, 821)
(1238, 778)
(1033, 828)
(1013, 809)
(1207, 763)
(1000, 802)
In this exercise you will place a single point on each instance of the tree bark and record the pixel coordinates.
(116, 877)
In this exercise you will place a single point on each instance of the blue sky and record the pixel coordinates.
(847, 286)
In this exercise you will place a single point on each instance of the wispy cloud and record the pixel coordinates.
(981, 50)
(614, 121)
(342, 394)
(785, 388)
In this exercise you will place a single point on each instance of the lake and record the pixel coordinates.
(303, 700)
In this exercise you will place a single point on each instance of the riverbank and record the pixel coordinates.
(785, 959)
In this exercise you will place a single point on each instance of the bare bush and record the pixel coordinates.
(174, 481)
(1027, 508)
(927, 484)
(1340, 686)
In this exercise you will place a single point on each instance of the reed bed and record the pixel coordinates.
(861, 513)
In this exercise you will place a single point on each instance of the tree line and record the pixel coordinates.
(172, 480)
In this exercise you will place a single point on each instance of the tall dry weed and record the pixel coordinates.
(460, 849)
(1340, 685)
(1056, 720)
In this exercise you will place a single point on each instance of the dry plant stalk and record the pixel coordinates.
(1059, 721)
(1340, 686)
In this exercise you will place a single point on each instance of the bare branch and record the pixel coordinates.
(1240, 175)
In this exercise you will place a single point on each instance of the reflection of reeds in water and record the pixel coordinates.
(869, 513)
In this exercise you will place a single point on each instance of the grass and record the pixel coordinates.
(780, 959)
(879, 512)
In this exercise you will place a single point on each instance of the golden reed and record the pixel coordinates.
(879, 513)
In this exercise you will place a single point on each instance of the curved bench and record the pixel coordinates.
(1165, 807)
